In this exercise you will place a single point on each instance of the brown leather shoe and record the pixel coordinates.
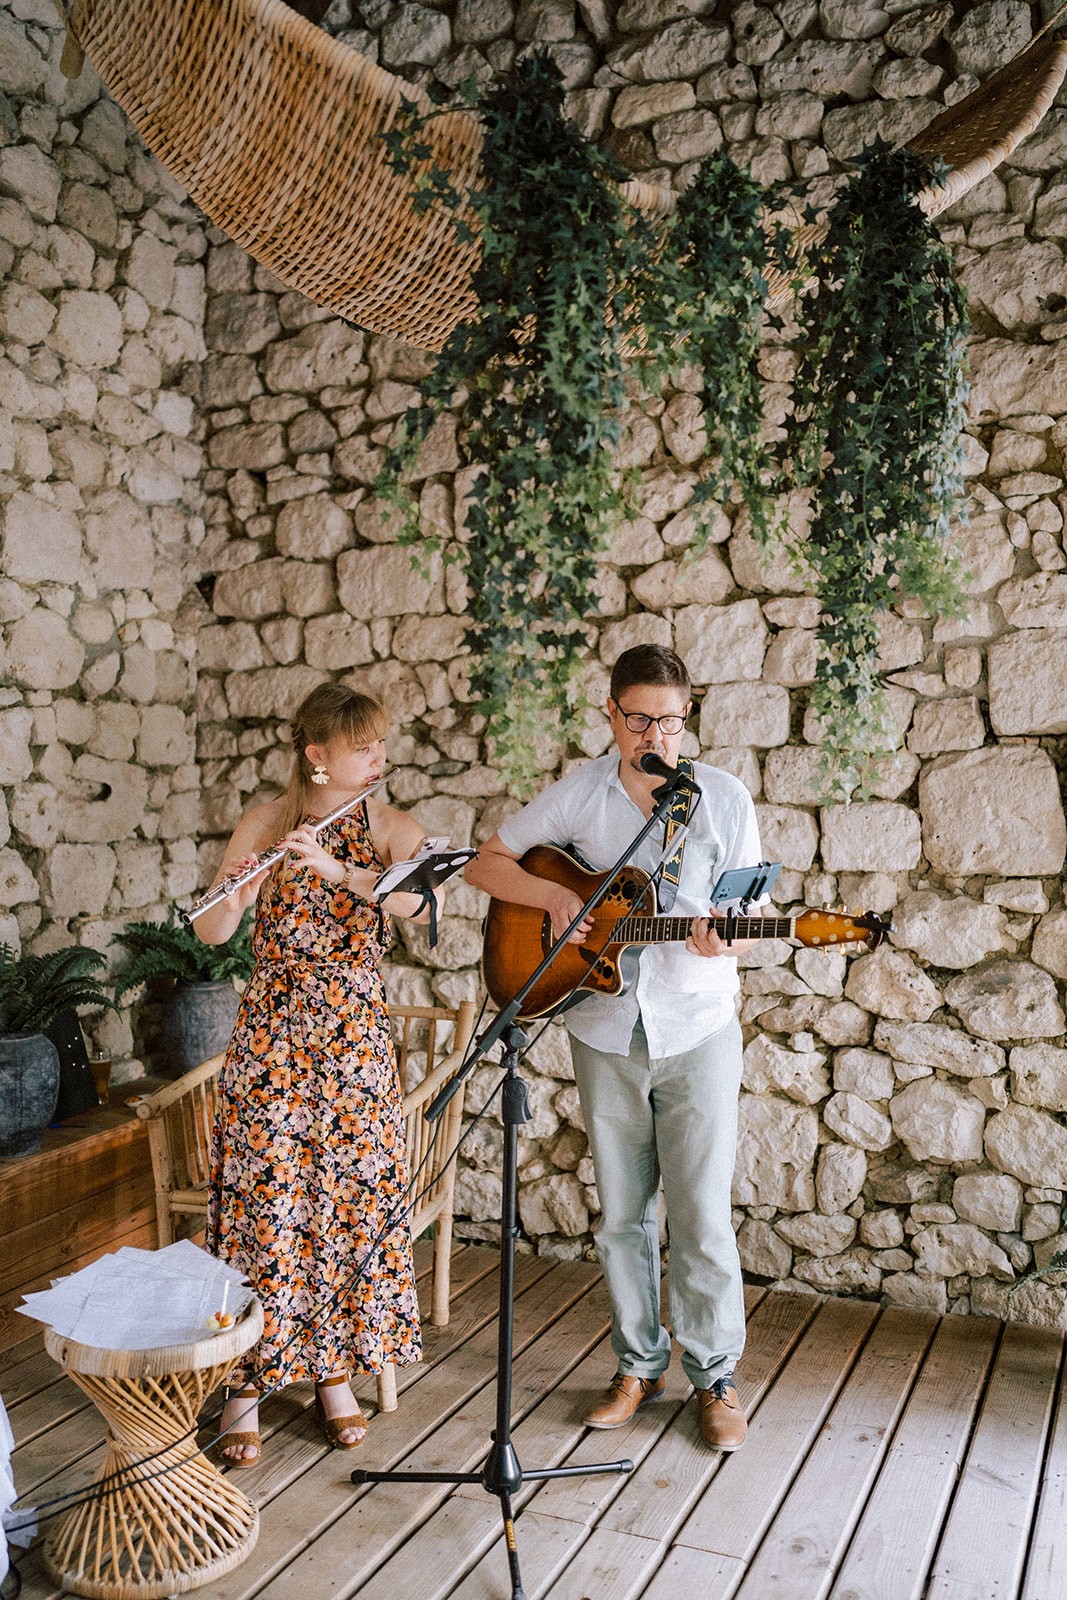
(722, 1422)
(622, 1399)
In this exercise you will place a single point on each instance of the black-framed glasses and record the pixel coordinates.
(638, 722)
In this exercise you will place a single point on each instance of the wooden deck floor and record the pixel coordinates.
(892, 1456)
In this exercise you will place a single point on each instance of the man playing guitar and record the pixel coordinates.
(658, 1066)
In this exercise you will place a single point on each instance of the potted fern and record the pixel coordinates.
(39, 995)
(192, 984)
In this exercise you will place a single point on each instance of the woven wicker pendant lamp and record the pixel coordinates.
(273, 128)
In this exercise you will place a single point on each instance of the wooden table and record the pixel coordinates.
(177, 1521)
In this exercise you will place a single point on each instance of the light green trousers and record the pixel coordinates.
(673, 1118)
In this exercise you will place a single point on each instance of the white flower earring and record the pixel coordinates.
(320, 775)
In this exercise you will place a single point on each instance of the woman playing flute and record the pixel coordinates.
(308, 1157)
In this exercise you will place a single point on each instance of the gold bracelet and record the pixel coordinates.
(346, 881)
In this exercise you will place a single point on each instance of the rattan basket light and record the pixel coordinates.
(273, 127)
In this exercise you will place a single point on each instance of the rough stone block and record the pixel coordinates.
(1007, 1000)
(80, 877)
(722, 644)
(994, 811)
(890, 984)
(840, 1176)
(88, 330)
(1028, 683)
(776, 1150)
(42, 652)
(858, 1122)
(382, 583)
(992, 1201)
(870, 836)
(938, 1122)
(788, 835)
(950, 931)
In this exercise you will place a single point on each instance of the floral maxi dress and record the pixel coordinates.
(308, 1172)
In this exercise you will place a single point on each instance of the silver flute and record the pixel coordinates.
(227, 886)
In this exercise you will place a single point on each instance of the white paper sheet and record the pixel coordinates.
(141, 1299)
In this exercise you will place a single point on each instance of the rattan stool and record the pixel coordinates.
(169, 1530)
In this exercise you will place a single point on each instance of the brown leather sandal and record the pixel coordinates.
(333, 1427)
(226, 1441)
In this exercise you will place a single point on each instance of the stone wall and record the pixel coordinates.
(102, 308)
(902, 1128)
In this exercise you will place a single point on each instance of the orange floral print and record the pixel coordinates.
(308, 1159)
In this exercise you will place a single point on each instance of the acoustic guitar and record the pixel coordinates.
(517, 938)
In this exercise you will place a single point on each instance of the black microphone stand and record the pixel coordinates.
(502, 1474)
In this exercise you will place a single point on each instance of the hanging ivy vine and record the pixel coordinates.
(707, 297)
(876, 438)
(539, 372)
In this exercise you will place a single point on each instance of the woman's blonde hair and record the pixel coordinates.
(330, 712)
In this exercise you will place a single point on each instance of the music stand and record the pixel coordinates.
(502, 1474)
(423, 875)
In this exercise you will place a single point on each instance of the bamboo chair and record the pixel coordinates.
(179, 1119)
(274, 130)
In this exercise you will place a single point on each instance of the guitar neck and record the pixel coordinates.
(637, 929)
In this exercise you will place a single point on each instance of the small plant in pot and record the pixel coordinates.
(192, 983)
(39, 995)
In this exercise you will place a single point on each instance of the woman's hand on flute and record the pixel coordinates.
(221, 920)
(304, 845)
(244, 896)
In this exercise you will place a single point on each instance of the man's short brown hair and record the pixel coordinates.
(651, 664)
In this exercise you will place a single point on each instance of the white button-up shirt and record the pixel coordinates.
(681, 998)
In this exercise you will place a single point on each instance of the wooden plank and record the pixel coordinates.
(985, 1541)
(610, 1567)
(545, 1545)
(64, 1449)
(554, 1556)
(380, 1517)
(698, 1572)
(47, 1409)
(890, 1553)
(655, 1500)
(740, 1502)
(87, 1164)
(57, 1237)
(308, 1501)
(36, 1584)
(1046, 1568)
(24, 1374)
(796, 1560)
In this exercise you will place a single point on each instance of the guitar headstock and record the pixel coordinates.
(834, 929)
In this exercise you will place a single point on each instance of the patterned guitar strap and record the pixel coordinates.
(681, 809)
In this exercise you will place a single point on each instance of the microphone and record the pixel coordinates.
(656, 767)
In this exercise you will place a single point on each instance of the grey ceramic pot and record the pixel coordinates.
(29, 1087)
(200, 1020)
